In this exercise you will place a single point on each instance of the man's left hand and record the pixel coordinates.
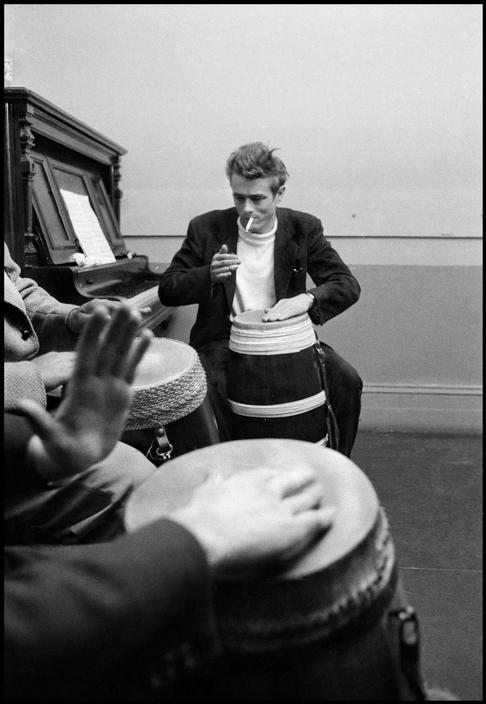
(288, 308)
(78, 317)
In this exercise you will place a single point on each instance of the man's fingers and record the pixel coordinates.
(117, 341)
(226, 263)
(271, 317)
(112, 305)
(271, 313)
(285, 308)
(225, 271)
(309, 498)
(277, 312)
(325, 516)
(315, 521)
(89, 341)
(286, 483)
(307, 526)
(140, 347)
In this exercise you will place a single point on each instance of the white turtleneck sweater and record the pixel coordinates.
(255, 285)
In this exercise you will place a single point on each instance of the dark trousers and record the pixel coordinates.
(344, 387)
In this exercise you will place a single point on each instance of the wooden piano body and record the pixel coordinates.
(47, 150)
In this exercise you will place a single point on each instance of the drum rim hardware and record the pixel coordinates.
(160, 449)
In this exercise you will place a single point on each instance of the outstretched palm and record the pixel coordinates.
(89, 420)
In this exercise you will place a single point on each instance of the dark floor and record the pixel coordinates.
(431, 489)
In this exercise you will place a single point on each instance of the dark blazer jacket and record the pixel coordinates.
(106, 620)
(18, 475)
(124, 620)
(300, 250)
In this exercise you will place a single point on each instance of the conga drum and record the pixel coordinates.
(170, 413)
(333, 625)
(275, 379)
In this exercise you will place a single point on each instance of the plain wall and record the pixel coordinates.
(376, 108)
(377, 111)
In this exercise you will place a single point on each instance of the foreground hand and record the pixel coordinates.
(288, 308)
(223, 264)
(254, 519)
(55, 368)
(90, 418)
(78, 317)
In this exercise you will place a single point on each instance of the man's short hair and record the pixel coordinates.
(256, 160)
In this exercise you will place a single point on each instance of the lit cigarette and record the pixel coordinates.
(248, 224)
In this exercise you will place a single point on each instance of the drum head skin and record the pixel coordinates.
(346, 488)
(253, 319)
(164, 361)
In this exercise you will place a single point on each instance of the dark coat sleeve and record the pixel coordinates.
(17, 474)
(79, 618)
(336, 287)
(187, 279)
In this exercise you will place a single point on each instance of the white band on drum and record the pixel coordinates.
(279, 410)
(272, 341)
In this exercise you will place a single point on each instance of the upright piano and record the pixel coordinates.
(49, 153)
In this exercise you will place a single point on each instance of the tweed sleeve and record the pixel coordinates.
(22, 380)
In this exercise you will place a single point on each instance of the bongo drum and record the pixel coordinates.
(169, 412)
(275, 383)
(328, 626)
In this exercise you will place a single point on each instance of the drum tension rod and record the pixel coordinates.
(160, 449)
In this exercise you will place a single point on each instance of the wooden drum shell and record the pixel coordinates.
(272, 379)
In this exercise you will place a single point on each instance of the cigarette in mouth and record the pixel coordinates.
(248, 224)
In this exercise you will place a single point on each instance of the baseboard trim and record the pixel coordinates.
(425, 408)
(428, 389)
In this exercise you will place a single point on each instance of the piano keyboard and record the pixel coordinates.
(141, 294)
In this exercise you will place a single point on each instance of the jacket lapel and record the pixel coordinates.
(285, 255)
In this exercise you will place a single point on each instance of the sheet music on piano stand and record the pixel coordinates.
(87, 228)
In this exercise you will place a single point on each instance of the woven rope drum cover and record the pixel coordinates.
(170, 383)
(170, 412)
(275, 386)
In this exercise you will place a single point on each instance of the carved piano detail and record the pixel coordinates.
(47, 151)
